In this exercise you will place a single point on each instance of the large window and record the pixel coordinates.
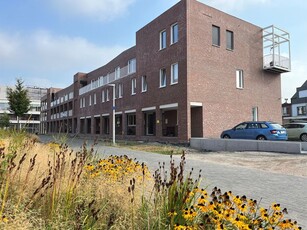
(131, 124)
(174, 73)
(163, 39)
(216, 36)
(301, 110)
(229, 40)
(239, 79)
(132, 66)
(117, 73)
(119, 90)
(174, 33)
(162, 77)
(133, 86)
(144, 83)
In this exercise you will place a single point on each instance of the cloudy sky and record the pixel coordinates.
(46, 42)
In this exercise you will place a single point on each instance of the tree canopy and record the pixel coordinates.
(19, 101)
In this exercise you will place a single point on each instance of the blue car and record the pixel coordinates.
(257, 130)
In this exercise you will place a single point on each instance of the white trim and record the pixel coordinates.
(196, 104)
(88, 117)
(298, 117)
(131, 111)
(116, 113)
(168, 106)
(81, 118)
(97, 115)
(105, 114)
(149, 108)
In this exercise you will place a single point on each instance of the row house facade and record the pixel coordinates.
(193, 72)
(297, 109)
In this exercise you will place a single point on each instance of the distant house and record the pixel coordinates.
(299, 104)
(286, 111)
(193, 72)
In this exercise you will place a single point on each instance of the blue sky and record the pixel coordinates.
(46, 42)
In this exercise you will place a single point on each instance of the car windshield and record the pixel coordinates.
(276, 126)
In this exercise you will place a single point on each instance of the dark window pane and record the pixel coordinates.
(216, 35)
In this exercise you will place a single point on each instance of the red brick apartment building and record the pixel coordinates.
(193, 72)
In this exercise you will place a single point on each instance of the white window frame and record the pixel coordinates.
(90, 100)
(255, 114)
(102, 96)
(107, 95)
(239, 79)
(163, 36)
(81, 104)
(95, 99)
(132, 66)
(174, 73)
(133, 86)
(174, 33)
(144, 84)
(163, 80)
(117, 73)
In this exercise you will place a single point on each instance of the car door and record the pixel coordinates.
(291, 130)
(252, 131)
(239, 132)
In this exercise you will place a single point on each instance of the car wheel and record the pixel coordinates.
(303, 137)
(226, 136)
(261, 138)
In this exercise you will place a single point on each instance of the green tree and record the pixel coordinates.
(4, 120)
(19, 101)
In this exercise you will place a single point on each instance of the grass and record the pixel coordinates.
(49, 186)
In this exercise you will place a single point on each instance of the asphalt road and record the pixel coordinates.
(264, 186)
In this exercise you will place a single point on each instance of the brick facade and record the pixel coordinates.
(205, 100)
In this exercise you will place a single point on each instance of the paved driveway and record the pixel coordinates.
(288, 190)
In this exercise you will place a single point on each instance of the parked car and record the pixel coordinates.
(257, 130)
(297, 131)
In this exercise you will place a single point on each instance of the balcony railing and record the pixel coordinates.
(104, 80)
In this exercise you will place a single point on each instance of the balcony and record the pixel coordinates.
(276, 50)
(109, 78)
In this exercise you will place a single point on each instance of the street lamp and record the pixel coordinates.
(113, 113)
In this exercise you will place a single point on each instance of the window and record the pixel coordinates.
(301, 110)
(239, 79)
(102, 96)
(107, 95)
(174, 33)
(132, 66)
(144, 84)
(94, 98)
(131, 124)
(174, 73)
(163, 39)
(117, 73)
(216, 35)
(83, 102)
(119, 90)
(229, 40)
(80, 103)
(90, 100)
(162, 78)
(133, 86)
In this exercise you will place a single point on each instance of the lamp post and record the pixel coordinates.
(113, 113)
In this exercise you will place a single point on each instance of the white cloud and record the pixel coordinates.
(97, 9)
(46, 58)
(230, 5)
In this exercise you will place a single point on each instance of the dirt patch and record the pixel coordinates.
(289, 164)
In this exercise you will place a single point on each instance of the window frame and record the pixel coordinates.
(231, 42)
(132, 66)
(133, 86)
(107, 95)
(162, 74)
(103, 96)
(163, 39)
(218, 38)
(174, 33)
(117, 72)
(239, 79)
(144, 84)
(173, 79)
